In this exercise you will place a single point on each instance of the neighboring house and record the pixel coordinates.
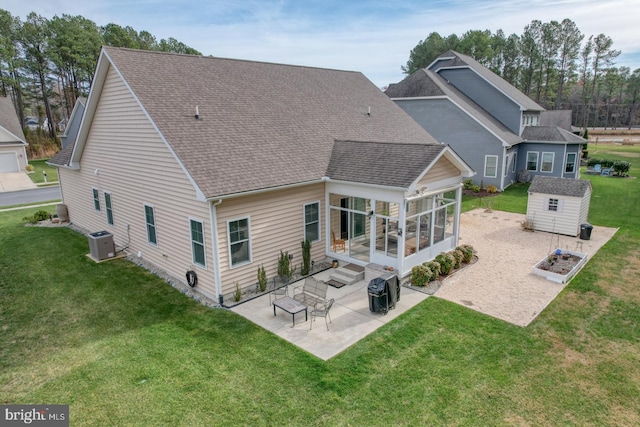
(558, 205)
(73, 124)
(13, 153)
(494, 127)
(216, 165)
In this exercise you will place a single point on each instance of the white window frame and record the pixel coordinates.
(515, 161)
(154, 225)
(537, 154)
(108, 208)
(566, 162)
(247, 240)
(554, 202)
(96, 199)
(486, 157)
(553, 157)
(305, 223)
(203, 243)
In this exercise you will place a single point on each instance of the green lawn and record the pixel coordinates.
(41, 166)
(123, 348)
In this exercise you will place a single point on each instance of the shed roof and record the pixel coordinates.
(559, 186)
(260, 125)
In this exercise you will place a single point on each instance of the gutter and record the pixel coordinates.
(264, 190)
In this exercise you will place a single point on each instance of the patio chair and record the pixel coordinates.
(322, 310)
(337, 243)
(597, 169)
(606, 172)
(278, 288)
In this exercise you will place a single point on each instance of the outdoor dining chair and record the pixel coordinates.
(322, 310)
(279, 288)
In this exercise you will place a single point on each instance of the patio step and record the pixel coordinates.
(346, 276)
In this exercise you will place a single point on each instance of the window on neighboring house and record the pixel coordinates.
(239, 248)
(532, 161)
(197, 243)
(570, 165)
(96, 199)
(312, 222)
(547, 162)
(108, 208)
(490, 166)
(513, 164)
(509, 164)
(150, 220)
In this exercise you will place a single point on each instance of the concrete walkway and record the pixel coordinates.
(15, 181)
(351, 318)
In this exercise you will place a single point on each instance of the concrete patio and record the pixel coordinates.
(351, 318)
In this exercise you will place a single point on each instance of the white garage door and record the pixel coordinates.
(9, 163)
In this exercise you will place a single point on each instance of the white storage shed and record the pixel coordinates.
(558, 205)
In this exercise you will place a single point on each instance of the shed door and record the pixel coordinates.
(9, 163)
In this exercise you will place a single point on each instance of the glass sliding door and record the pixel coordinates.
(349, 222)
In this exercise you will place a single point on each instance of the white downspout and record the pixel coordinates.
(216, 253)
(456, 225)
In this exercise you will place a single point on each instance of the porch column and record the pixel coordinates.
(456, 218)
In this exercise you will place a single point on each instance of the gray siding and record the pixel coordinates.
(485, 95)
(449, 125)
(559, 158)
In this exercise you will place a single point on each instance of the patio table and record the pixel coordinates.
(291, 306)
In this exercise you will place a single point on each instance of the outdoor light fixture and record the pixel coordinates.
(399, 231)
(370, 214)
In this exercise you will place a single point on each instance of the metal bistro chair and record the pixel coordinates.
(279, 288)
(322, 310)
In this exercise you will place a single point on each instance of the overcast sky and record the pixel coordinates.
(371, 36)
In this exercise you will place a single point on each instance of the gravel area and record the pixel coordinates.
(500, 283)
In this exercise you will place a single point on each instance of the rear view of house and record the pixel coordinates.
(214, 166)
(13, 154)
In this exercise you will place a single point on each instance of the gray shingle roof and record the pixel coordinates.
(426, 83)
(397, 165)
(9, 119)
(559, 186)
(559, 118)
(63, 156)
(550, 134)
(461, 60)
(261, 125)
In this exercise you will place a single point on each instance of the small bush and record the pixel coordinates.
(492, 189)
(38, 216)
(467, 252)
(458, 257)
(621, 167)
(434, 266)
(475, 188)
(30, 168)
(468, 184)
(420, 275)
(262, 279)
(283, 264)
(446, 262)
(237, 296)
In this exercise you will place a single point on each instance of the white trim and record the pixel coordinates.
(304, 220)
(146, 224)
(486, 157)
(526, 163)
(248, 240)
(553, 158)
(204, 243)
(566, 161)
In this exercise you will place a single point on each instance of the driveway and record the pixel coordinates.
(15, 181)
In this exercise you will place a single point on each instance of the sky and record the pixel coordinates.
(374, 37)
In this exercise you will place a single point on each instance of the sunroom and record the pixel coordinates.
(393, 225)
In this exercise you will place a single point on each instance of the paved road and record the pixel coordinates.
(45, 194)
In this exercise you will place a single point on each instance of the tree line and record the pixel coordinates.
(46, 64)
(554, 64)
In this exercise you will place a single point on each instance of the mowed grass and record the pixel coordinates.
(40, 168)
(122, 347)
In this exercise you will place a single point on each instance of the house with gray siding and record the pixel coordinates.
(214, 166)
(493, 126)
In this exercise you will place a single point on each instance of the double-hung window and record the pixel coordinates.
(312, 222)
(239, 244)
(532, 161)
(197, 243)
(150, 220)
(570, 165)
(96, 199)
(108, 208)
(547, 162)
(490, 166)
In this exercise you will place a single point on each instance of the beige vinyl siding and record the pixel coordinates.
(564, 222)
(584, 208)
(276, 223)
(126, 156)
(442, 170)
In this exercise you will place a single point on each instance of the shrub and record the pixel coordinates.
(475, 188)
(420, 275)
(468, 184)
(237, 296)
(492, 189)
(306, 257)
(458, 257)
(446, 262)
(434, 266)
(467, 252)
(621, 167)
(38, 216)
(283, 264)
(262, 279)
(30, 168)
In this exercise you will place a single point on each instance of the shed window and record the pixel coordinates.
(532, 161)
(554, 205)
(547, 162)
(239, 248)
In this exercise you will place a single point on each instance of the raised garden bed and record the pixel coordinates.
(560, 266)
